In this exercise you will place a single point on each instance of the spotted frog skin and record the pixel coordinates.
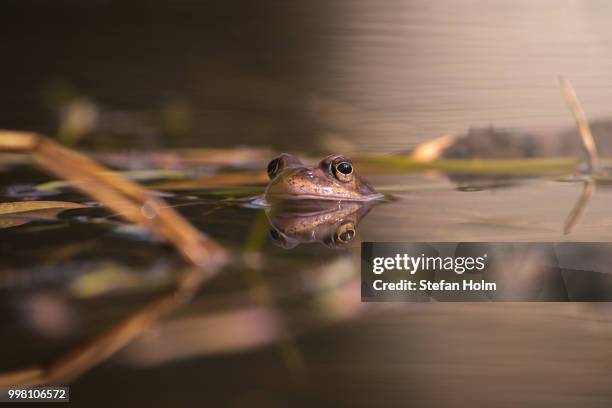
(333, 178)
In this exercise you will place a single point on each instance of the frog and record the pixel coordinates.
(332, 179)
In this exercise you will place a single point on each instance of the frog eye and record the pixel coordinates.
(274, 167)
(343, 170)
(281, 162)
(345, 233)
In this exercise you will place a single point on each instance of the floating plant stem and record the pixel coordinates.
(395, 164)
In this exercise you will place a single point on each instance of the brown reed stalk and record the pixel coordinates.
(581, 121)
(136, 205)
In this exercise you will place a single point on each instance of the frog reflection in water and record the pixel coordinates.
(322, 203)
(332, 224)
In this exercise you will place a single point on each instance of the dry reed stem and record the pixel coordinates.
(132, 201)
(581, 121)
(138, 206)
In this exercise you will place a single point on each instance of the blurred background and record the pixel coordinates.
(314, 77)
(290, 74)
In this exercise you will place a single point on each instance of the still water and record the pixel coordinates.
(282, 325)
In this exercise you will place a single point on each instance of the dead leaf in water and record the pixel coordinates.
(9, 222)
(29, 206)
(19, 213)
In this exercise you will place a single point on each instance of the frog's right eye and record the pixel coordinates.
(274, 167)
(343, 170)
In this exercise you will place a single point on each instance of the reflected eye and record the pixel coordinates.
(275, 235)
(343, 171)
(282, 240)
(345, 233)
(273, 168)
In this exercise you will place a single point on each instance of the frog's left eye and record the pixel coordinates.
(273, 168)
(282, 240)
(282, 162)
(343, 170)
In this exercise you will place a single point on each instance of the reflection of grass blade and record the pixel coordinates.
(329, 294)
(576, 213)
(79, 360)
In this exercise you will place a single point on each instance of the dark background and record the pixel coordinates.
(243, 69)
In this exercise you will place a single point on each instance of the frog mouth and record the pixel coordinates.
(327, 197)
